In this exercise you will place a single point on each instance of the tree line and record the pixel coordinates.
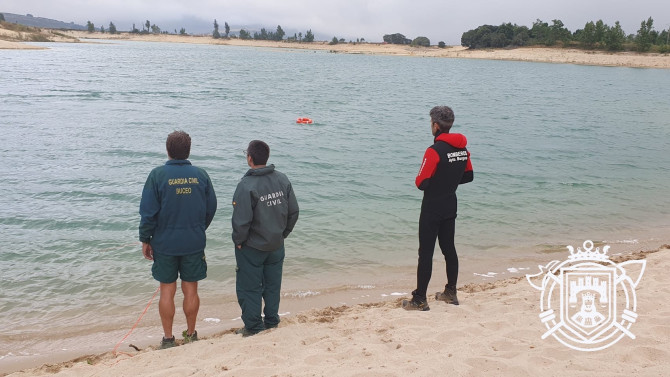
(147, 28)
(264, 34)
(594, 35)
(400, 39)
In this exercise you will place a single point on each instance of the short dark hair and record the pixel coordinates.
(443, 116)
(178, 145)
(259, 152)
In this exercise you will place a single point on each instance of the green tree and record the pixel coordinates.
(477, 38)
(614, 38)
(441, 44)
(539, 33)
(226, 28)
(601, 29)
(90, 27)
(421, 41)
(244, 34)
(155, 29)
(488, 36)
(334, 41)
(521, 36)
(588, 35)
(148, 25)
(215, 33)
(309, 37)
(558, 32)
(279, 34)
(643, 39)
(498, 40)
(396, 39)
(664, 37)
(182, 31)
(112, 28)
(507, 32)
(102, 29)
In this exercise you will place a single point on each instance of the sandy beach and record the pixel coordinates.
(495, 331)
(531, 54)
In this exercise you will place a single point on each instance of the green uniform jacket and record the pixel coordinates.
(178, 204)
(265, 209)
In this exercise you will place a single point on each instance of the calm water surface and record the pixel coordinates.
(561, 153)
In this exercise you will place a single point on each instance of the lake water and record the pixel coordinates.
(561, 153)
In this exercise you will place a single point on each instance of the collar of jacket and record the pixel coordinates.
(455, 140)
(261, 171)
(178, 162)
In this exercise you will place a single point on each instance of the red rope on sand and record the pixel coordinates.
(135, 325)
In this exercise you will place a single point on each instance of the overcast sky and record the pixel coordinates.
(439, 20)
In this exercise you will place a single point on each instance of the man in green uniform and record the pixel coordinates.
(178, 204)
(265, 211)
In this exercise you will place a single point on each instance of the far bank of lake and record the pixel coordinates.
(531, 54)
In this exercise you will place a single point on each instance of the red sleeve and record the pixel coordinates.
(428, 166)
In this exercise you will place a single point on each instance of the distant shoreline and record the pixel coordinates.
(530, 54)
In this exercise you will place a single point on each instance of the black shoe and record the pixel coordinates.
(414, 304)
(245, 332)
(448, 296)
(167, 343)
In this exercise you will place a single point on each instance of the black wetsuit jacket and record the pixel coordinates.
(446, 164)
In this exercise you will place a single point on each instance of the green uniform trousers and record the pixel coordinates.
(258, 277)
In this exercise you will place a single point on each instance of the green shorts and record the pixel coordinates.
(191, 267)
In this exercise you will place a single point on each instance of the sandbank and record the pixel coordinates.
(9, 45)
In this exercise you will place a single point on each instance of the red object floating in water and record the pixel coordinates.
(304, 120)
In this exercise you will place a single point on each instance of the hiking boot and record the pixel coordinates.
(414, 304)
(167, 343)
(448, 296)
(189, 338)
(245, 332)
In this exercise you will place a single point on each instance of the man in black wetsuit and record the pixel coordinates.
(446, 164)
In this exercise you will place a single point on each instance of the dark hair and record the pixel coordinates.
(443, 116)
(259, 152)
(178, 145)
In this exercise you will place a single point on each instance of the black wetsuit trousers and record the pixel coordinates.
(434, 226)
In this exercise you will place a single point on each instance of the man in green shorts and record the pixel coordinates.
(265, 211)
(178, 204)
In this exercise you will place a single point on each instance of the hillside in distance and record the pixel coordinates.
(40, 22)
